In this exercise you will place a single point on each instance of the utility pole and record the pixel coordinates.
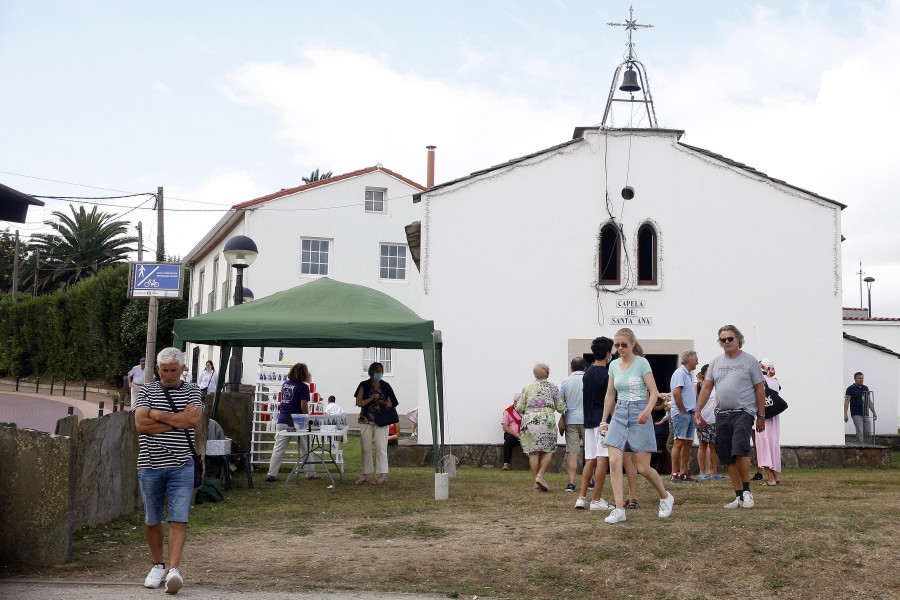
(15, 281)
(153, 310)
(860, 273)
(37, 263)
(140, 229)
(160, 238)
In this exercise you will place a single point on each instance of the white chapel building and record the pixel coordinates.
(529, 260)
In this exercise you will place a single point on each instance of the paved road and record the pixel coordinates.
(134, 591)
(30, 411)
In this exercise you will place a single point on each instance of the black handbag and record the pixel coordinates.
(775, 404)
(198, 460)
(387, 416)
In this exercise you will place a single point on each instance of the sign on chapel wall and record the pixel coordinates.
(631, 313)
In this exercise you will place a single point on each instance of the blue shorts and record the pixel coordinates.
(178, 482)
(624, 428)
(684, 425)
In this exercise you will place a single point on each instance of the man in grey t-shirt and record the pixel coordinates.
(741, 398)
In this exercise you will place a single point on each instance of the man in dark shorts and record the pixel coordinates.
(741, 398)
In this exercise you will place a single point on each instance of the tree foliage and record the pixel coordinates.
(89, 331)
(83, 244)
(314, 176)
(7, 254)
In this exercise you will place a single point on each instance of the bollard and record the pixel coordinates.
(52, 381)
(84, 391)
(65, 381)
(122, 404)
(115, 406)
(17, 383)
(37, 384)
(71, 410)
(100, 412)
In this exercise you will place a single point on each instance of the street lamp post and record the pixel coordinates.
(240, 252)
(869, 281)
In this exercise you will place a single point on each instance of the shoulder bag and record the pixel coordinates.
(775, 404)
(198, 461)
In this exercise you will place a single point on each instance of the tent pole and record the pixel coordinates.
(431, 380)
(223, 364)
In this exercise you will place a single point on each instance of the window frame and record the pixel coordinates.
(406, 257)
(610, 225)
(373, 211)
(329, 270)
(654, 255)
(377, 354)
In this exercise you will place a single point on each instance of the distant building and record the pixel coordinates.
(349, 227)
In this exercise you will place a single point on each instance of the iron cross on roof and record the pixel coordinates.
(630, 25)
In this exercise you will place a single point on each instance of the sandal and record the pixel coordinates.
(379, 482)
(313, 476)
(631, 503)
(767, 484)
(272, 478)
(362, 481)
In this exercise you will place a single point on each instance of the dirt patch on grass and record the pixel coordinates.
(822, 533)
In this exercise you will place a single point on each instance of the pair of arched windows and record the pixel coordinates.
(610, 263)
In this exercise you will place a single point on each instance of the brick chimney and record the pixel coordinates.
(429, 180)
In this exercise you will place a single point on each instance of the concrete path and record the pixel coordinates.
(32, 411)
(42, 590)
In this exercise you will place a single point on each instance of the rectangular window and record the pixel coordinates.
(393, 262)
(226, 297)
(375, 201)
(315, 256)
(200, 293)
(382, 355)
(215, 285)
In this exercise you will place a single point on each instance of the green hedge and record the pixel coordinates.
(90, 331)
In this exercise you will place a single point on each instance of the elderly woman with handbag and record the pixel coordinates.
(377, 412)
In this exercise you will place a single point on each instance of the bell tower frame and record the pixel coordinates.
(632, 66)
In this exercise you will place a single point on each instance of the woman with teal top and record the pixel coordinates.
(630, 386)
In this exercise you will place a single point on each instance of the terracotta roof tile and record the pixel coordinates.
(335, 179)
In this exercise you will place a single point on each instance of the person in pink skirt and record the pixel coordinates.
(768, 442)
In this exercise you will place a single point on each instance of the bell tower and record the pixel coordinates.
(634, 78)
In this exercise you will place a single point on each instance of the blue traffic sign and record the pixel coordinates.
(160, 280)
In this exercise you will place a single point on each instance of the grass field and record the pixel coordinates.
(824, 533)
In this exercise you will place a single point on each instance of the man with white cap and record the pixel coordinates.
(135, 379)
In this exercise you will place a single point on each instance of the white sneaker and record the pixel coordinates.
(174, 581)
(665, 505)
(580, 502)
(738, 502)
(616, 516)
(600, 505)
(155, 577)
(748, 500)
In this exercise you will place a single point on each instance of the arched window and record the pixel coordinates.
(610, 251)
(647, 253)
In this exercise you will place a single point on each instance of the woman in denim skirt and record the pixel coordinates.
(630, 385)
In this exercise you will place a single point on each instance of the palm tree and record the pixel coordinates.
(314, 176)
(83, 243)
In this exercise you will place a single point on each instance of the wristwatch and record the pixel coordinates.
(763, 417)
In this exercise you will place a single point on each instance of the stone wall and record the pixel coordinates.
(52, 485)
(36, 496)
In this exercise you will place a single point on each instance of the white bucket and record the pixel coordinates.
(441, 486)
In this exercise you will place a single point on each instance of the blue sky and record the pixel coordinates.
(220, 102)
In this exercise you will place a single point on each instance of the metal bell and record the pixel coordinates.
(630, 82)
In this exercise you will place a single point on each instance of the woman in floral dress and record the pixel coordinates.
(538, 434)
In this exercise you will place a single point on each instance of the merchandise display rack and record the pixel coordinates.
(266, 399)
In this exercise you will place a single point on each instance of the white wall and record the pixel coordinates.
(334, 211)
(886, 372)
(509, 262)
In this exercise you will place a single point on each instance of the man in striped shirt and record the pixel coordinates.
(165, 462)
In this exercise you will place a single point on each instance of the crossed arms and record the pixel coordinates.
(151, 420)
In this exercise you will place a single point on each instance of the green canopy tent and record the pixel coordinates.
(324, 314)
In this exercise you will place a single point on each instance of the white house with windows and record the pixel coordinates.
(349, 227)
(629, 228)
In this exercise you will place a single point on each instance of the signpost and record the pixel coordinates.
(154, 280)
